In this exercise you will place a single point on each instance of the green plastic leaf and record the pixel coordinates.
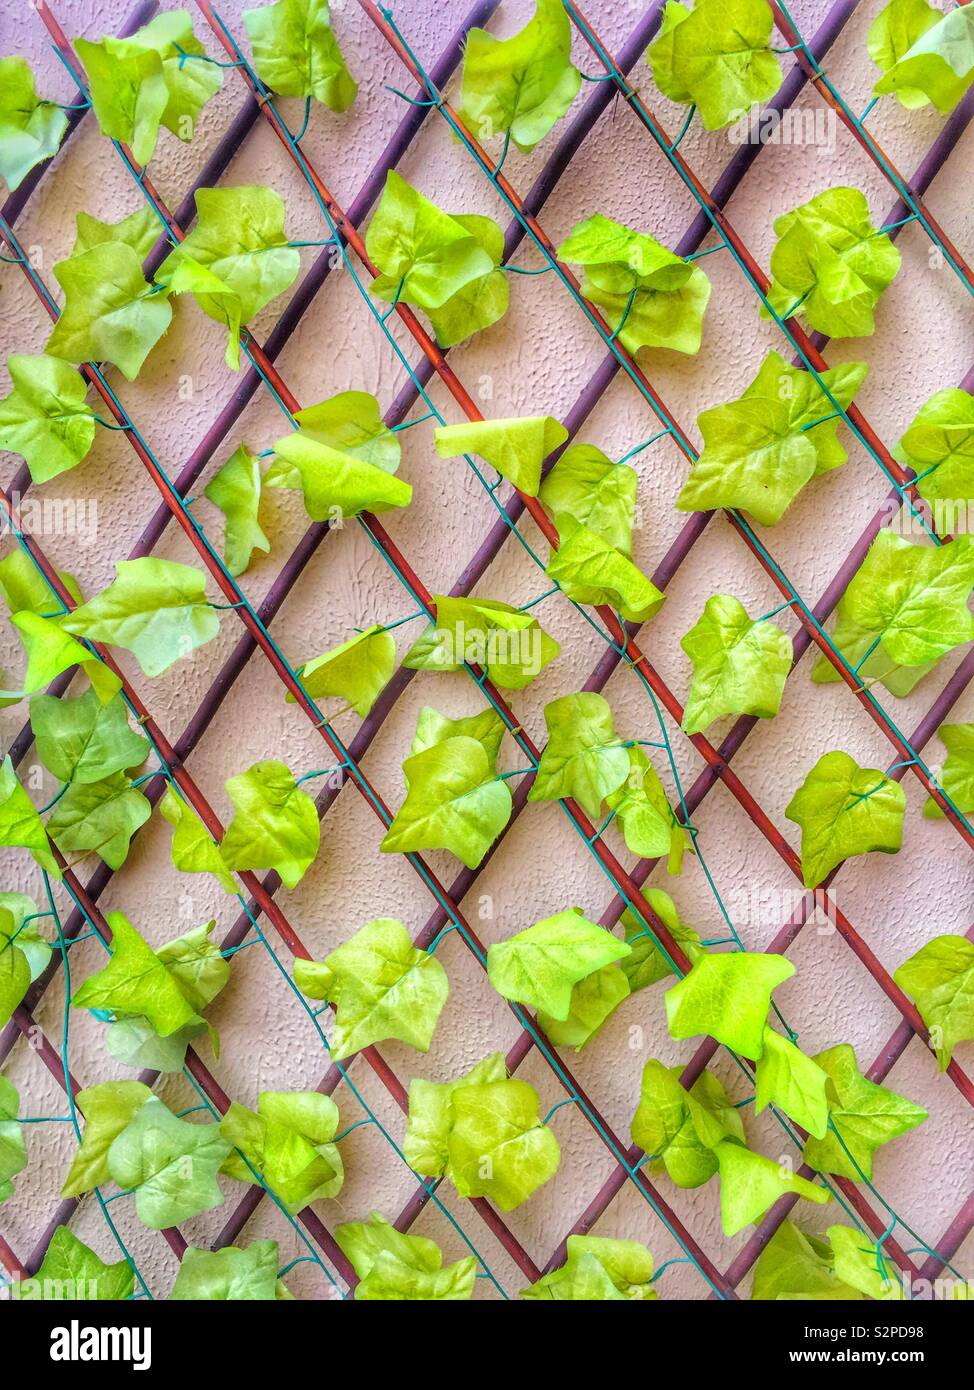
(426, 1143)
(424, 254)
(524, 84)
(957, 777)
(71, 1271)
(939, 447)
(50, 650)
(393, 1266)
(140, 230)
(352, 423)
(26, 590)
(454, 801)
(99, 818)
(31, 130)
(865, 1116)
(761, 450)
(13, 1149)
(482, 302)
(860, 1263)
(647, 964)
(37, 950)
(797, 1266)
(487, 727)
(539, 966)
(296, 53)
(598, 1270)
(792, 1082)
(586, 487)
(589, 571)
(844, 810)
(584, 758)
(893, 33)
(197, 965)
(358, 670)
(593, 1001)
(718, 56)
(516, 447)
(286, 1146)
(664, 1124)
(643, 814)
(276, 824)
(740, 664)
(235, 489)
(727, 996)
(194, 851)
(110, 313)
(20, 825)
(509, 643)
(831, 264)
(751, 1183)
(137, 982)
(382, 987)
(108, 1108)
(171, 1164)
(939, 979)
(45, 418)
(83, 740)
(335, 484)
(15, 963)
(926, 56)
(230, 1274)
(135, 1043)
(862, 652)
(499, 1148)
(156, 609)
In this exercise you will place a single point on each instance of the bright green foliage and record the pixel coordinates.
(381, 986)
(516, 447)
(792, 1082)
(235, 489)
(522, 85)
(296, 53)
(482, 302)
(136, 1044)
(276, 824)
(584, 759)
(751, 1183)
(83, 740)
(194, 850)
(454, 801)
(140, 230)
(540, 965)
(138, 982)
(859, 649)
(649, 296)
(598, 1270)
(647, 964)
(13, 1149)
(71, 1271)
(108, 1108)
(644, 815)
(335, 484)
(939, 447)
(31, 130)
(926, 55)
(844, 810)
(140, 83)
(357, 671)
(586, 487)
(939, 979)
(50, 651)
(236, 259)
(830, 259)
(498, 1146)
(424, 254)
(589, 571)
(665, 1124)
(286, 1146)
(20, 825)
(718, 56)
(727, 996)
(46, 418)
(171, 1164)
(487, 728)
(509, 643)
(197, 965)
(231, 1274)
(352, 423)
(24, 954)
(593, 1001)
(796, 1266)
(860, 1263)
(99, 818)
(865, 1116)
(395, 1267)
(740, 664)
(156, 609)
(761, 449)
(426, 1146)
(26, 590)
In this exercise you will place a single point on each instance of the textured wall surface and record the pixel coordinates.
(536, 360)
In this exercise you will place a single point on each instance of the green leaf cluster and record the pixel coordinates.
(926, 56)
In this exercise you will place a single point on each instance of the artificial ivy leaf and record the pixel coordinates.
(593, 1001)
(872, 665)
(235, 489)
(108, 1108)
(139, 229)
(83, 740)
(382, 987)
(136, 981)
(832, 262)
(352, 423)
(939, 979)
(516, 447)
(659, 55)
(393, 1266)
(860, 1263)
(740, 664)
(335, 484)
(424, 254)
(197, 965)
(13, 1150)
(585, 486)
(26, 590)
(539, 966)
(510, 644)
(296, 53)
(584, 759)
(454, 801)
(791, 1081)
(194, 850)
(20, 825)
(276, 824)
(845, 810)
(357, 671)
(865, 1116)
(647, 964)
(72, 1271)
(727, 996)
(111, 313)
(171, 1164)
(135, 1043)
(230, 1274)
(794, 1265)
(718, 56)
(286, 1146)
(589, 571)
(156, 609)
(939, 447)
(15, 971)
(499, 1148)
(957, 778)
(31, 130)
(598, 1269)
(487, 727)
(28, 939)
(664, 1124)
(751, 1183)
(99, 818)
(483, 301)
(926, 56)
(644, 815)
(430, 1120)
(50, 651)
(891, 36)
(522, 85)
(46, 419)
